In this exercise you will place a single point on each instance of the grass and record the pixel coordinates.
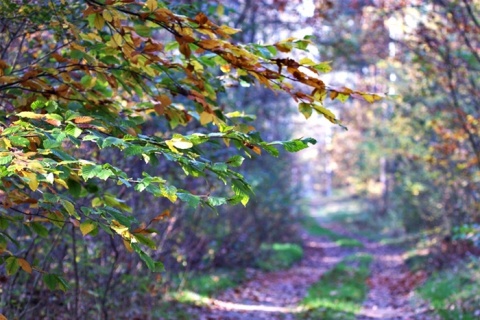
(453, 293)
(280, 256)
(340, 292)
(312, 227)
(199, 288)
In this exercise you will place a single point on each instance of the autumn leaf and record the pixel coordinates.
(98, 21)
(87, 227)
(151, 5)
(24, 265)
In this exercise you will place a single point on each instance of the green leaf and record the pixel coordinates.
(39, 229)
(38, 104)
(270, 149)
(73, 130)
(74, 187)
(323, 67)
(305, 109)
(54, 282)
(11, 265)
(112, 141)
(242, 190)
(216, 201)
(133, 150)
(219, 166)
(146, 241)
(70, 208)
(192, 200)
(51, 281)
(62, 284)
(152, 265)
(19, 141)
(4, 160)
(294, 145)
(104, 174)
(90, 171)
(235, 161)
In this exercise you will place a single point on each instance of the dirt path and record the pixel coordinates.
(392, 287)
(276, 295)
(391, 283)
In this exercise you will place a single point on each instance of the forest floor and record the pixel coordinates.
(389, 293)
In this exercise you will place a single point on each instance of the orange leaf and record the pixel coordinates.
(24, 265)
(163, 215)
(201, 18)
(83, 119)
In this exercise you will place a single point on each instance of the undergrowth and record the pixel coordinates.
(453, 292)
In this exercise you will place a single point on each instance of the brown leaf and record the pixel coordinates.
(24, 265)
(201, 18)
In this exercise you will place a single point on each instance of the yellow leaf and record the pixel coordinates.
(205, 118)
(98, 21)
(180, 143)
(107, 15)
(30, 115)
(326, 113)
(25, 266)
(371, 97)
(69, 207)
(61, 182)
(228, 30)
(152, 5)
(87, 227)
(284, 47)
(121, 230)
(307, 61)
(32, 180)
(127, 246)
(7, 143)
(225, 68)
(118, 39)
(220, 10)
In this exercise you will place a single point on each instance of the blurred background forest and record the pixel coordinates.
(410, 164)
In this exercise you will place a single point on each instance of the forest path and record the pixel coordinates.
(391, 283)
(277, 295)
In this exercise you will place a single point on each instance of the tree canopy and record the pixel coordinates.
(78, 77)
